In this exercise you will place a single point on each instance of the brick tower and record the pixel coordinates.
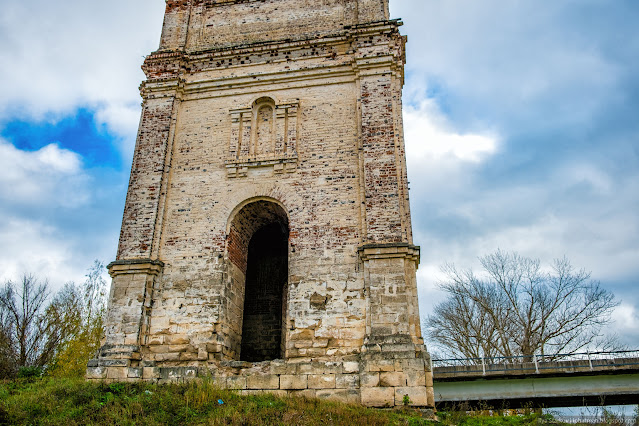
(266, 238)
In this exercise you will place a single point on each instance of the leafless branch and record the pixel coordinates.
(519, 310)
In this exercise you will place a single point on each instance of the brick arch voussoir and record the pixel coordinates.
(247, 218)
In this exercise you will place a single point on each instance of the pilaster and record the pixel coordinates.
(142, 209)
(379, 64)
(391, 290)
(127, 319)
(372, 10)
(176, 24)
(394, 362)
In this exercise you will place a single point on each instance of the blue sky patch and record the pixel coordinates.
(78, 133)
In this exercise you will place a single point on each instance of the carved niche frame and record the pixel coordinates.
(264, 135)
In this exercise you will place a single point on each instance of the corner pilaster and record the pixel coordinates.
(127, 320)
(391, 288)
(394, 362)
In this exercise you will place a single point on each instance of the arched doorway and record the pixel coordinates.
(258, 252)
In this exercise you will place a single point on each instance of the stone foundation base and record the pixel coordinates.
(362, 380)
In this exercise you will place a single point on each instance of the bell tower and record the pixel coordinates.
(266, 237)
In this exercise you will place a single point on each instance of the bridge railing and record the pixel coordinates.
(538, 363)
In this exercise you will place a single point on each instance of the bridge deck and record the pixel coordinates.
(593, 380)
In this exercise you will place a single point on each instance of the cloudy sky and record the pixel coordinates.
(522, 132)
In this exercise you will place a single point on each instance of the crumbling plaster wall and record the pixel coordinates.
(321, 201)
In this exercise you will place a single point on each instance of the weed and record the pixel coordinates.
(406, 400)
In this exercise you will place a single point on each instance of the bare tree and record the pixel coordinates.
(7, 348)
(60, 332)
(23, 306)
(517, 309)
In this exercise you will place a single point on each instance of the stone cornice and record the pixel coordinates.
(135, 266)
(346, 68)
(389, 250)
(341, 57)
(348, 35)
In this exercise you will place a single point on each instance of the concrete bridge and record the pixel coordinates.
(587, 379)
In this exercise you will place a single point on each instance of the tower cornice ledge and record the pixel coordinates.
(135, 266)
(389, 250)
(348, 33)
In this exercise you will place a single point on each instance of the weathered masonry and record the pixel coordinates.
(266, 238)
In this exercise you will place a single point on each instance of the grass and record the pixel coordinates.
(47, 401)
(76, 402)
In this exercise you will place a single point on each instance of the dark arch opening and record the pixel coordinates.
(257, 246)
(266, 277)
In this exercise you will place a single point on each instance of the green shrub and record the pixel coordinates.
(30, 372)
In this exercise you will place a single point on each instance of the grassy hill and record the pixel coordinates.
(76, 402)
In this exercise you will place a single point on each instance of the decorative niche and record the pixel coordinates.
(264, 135)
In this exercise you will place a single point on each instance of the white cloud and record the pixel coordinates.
(439, 156)
(506, 57)
(440, 159)
(596, 231)
(588, 174)
(121, 119)
(57, 217)
(28, 246)
(48, 177)
(60, 56)
(58, 160)
(430, 137)
(626, 324)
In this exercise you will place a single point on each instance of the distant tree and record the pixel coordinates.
(59, 333)
(7, 348)
(517, 309)
(23, 306)
(81, 309)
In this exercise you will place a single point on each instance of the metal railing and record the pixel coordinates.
(541, 362)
